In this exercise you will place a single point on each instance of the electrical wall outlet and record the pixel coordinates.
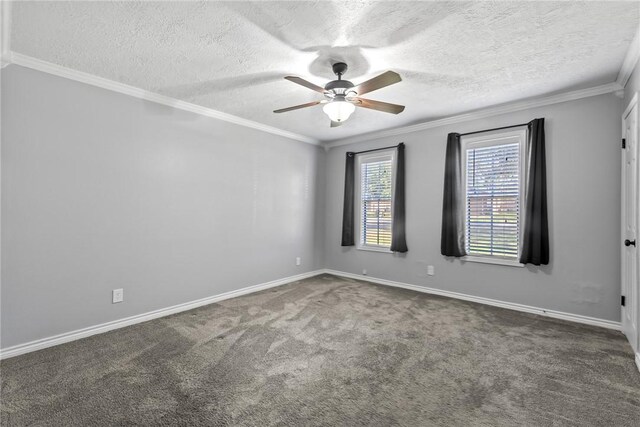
(430, 270)
(117, 295)
(298, 261)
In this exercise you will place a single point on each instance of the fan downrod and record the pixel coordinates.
(339, 68)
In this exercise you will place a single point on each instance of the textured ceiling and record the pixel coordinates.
(231, 56)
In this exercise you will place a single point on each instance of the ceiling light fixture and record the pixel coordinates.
(338, 109)
(342, 97)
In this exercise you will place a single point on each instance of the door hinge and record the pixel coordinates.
(622, 301)
(624, 143)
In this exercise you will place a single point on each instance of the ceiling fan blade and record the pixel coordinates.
(336, 124)
(296, 107)
(385, 79)
(378, 105)
(307, 84)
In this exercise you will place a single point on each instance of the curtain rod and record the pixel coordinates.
(376, 149)
(489, 130)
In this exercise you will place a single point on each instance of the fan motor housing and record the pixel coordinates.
(339, 84)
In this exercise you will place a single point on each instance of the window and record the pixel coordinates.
(375, 196)
(494, 171)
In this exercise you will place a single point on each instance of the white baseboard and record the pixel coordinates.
(609, 324)
(19, 349)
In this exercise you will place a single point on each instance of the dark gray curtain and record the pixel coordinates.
(348, 234)
(452, 240)
(398, 237)
(535, 241)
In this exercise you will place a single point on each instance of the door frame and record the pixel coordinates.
(627, 110)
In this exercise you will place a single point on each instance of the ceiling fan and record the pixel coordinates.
(342, 96)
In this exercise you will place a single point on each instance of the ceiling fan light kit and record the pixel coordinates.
(342, 95)
(338, 110)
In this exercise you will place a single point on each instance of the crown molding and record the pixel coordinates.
(630, 60)
(10, 57)
(481, 114)
(101, 82)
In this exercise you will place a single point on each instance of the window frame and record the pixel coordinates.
(518, 135)
(360, 160)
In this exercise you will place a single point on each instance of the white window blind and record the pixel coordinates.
(375, 201)
(493, 200)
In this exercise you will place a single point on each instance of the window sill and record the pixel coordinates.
(496, 261)
(374, 249)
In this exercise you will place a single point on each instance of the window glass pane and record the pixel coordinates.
(375, 224)
(493, 200)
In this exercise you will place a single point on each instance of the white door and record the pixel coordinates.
(630, 223)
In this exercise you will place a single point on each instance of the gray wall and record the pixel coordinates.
(101, 191)
(583, 156)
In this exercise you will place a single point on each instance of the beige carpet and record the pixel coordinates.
(333, 352)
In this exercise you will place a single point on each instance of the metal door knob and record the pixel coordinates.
(628, 242)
